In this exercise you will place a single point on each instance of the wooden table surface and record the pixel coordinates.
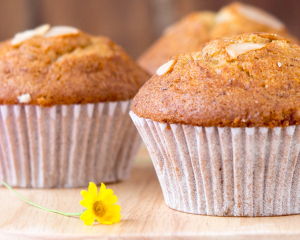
(144, 216)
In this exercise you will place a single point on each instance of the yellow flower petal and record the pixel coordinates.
(111, 216)
(104, 222)
(114, 218)
(93, 191)
(110, 200)
(88, 217)
(86, 214)
(85, 203)
(84, 194)
(89, 221)
(114, 209)
(87, 200)
(105, 194)
(102, 189)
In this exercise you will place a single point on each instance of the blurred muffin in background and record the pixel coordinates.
(64, 102)
(193, 31)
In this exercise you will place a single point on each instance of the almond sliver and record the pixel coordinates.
(163, 69)
(41, 30)
(60, 31)
(234, 50)
(23, 36)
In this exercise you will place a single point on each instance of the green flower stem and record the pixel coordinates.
(41, 207)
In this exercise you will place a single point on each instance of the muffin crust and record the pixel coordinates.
(193, 31)
(74, 68)
(255, 88)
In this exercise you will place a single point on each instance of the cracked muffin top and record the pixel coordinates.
(250, 80)
(190, 34)
(62, 65)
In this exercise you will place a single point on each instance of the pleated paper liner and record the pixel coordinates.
(225, 171)
(66, 145)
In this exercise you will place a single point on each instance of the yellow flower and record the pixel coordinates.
(100, 206)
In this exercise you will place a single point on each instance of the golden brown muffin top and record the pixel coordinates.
(250, 80)
(63, 65)
(190, 33)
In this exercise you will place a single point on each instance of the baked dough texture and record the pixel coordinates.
(250, 80)
(74, 68)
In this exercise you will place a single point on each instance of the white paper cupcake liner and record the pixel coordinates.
(225, 171)
(66, 145)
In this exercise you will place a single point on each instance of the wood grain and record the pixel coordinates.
(144, 216)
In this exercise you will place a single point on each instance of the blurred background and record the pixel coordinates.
(134, 24)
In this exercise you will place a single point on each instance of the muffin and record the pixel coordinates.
(65, 97)
(193, 31)
(222, 127)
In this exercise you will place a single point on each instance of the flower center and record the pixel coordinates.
(99, 209)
